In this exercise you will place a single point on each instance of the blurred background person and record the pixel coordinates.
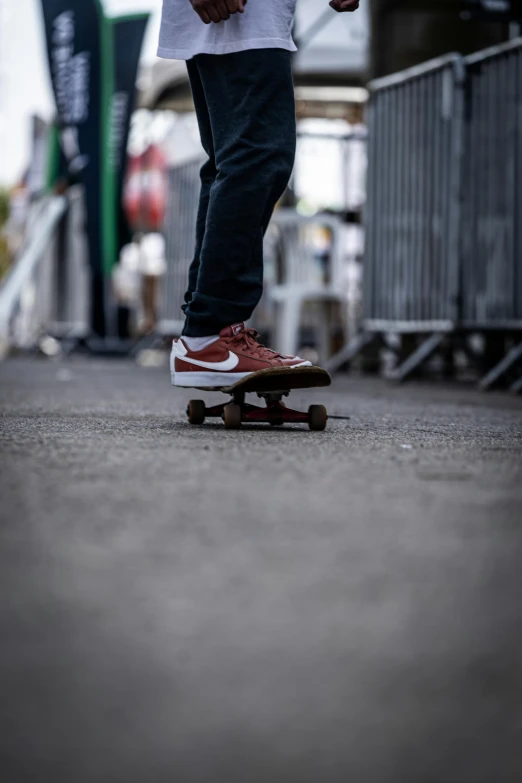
(126, 280)
(153, 266)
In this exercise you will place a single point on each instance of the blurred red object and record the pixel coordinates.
(145, 192)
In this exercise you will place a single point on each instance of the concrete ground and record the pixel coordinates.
(189, 605)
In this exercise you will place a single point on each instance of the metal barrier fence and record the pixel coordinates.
(444, 209)
(444, 215)
(491, 237)
(412, 216)
(180, 232)
(47, 291)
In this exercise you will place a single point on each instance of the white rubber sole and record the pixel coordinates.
(210, 380)
(213, 380)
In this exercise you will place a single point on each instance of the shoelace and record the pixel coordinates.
(248, 339)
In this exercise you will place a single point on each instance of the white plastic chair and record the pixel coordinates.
(306, 273)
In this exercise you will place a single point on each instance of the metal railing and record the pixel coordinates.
(25, 298)
(46, 292)
(411, 275)
(444, 213)
(491, 190)
(444, 210)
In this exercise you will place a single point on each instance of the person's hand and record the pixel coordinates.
(344, 6)
(217, 10)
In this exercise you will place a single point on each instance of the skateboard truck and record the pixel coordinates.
(272, 386)
(275, 412)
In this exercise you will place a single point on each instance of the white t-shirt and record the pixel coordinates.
(265, 24)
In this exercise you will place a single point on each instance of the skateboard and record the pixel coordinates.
(271, 386)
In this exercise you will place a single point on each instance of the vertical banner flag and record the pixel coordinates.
(79, 47)
(128, 34)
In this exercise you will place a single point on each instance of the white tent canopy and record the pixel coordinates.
(332, 45)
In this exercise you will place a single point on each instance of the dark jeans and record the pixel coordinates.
(246, 115)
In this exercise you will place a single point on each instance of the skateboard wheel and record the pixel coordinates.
(196, 411)
(317, 417)
(232, 416)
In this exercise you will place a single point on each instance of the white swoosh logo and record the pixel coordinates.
(229, 364)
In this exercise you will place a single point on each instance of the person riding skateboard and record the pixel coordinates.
(238, 55)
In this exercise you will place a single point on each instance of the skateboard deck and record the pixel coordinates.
(278, 379)
(271, 385)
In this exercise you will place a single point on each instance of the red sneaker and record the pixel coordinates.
(233, 357)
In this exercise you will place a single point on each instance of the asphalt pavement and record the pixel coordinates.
(191, 605)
